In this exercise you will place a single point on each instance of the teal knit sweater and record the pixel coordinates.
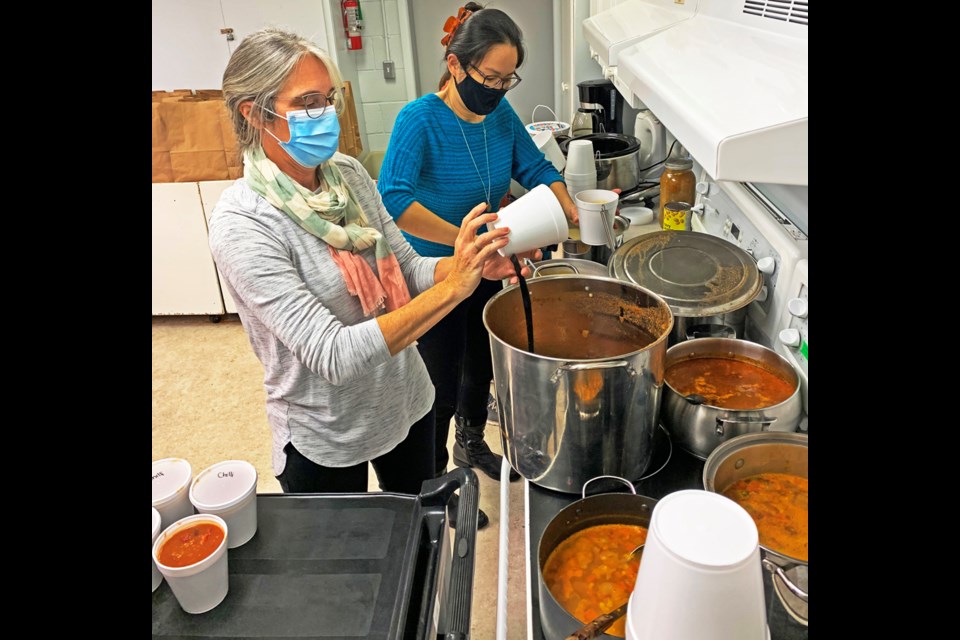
(429, 162)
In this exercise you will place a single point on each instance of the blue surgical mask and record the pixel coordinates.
(313, 141)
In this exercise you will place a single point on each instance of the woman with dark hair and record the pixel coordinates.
(449, 151)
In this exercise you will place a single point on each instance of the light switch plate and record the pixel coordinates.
(389, 70)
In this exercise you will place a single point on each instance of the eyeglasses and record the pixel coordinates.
(496, 82)
(314, 103)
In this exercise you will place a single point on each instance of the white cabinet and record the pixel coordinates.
(209, 194)
(185, 278)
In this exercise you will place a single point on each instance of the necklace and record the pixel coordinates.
(486, 185)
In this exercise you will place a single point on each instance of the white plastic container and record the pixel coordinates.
(157, 576)
(535, 220)
(555, 127)
(700, 577)
(201, 586)
(171, 489)
(229, 490)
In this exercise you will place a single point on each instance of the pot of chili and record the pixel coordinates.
(766, 474)
(719, 388)
(585, 567)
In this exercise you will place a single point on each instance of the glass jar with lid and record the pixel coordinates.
(677, 184)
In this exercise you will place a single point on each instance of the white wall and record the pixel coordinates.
(380, 99)
(189, 52)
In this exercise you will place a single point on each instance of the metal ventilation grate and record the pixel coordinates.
(785, 10)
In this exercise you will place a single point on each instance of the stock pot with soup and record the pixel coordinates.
(719, 388)
(767, 474)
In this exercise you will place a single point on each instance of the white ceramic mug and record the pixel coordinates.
(597, 208)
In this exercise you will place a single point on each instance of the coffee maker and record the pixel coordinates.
(601, 108)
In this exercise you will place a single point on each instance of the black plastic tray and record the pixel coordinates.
(364, 565)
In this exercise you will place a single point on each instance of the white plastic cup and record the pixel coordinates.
(535, 220)
(228, 489)
(171, 489)
(551, 150)
(580, 157)
(201, 586)
(157, 576)
(700, 577)
(597, 208)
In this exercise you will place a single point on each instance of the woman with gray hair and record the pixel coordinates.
(330, 294)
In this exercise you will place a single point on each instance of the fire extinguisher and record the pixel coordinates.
(352, 23)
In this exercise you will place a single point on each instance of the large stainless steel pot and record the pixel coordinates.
(586, 403)
(606, 508)
(751, 454)
(699, 427)
(617, 159)
(707, 281)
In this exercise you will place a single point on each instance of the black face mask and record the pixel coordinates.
(476, 97)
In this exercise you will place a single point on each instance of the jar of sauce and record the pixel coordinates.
(676, 185)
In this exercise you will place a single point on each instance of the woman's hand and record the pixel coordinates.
(498, 267)
(472, 252)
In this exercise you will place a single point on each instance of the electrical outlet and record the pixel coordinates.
(389, 70)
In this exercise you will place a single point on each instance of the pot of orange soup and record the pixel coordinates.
(583, 567)
(716, 389)
(766, 474)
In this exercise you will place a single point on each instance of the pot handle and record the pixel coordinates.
(772, 567)
(762, 420)
(553, 265)
(586, 366)
(623, 480)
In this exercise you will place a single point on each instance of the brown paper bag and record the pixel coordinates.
(350, 141)
(193, 140)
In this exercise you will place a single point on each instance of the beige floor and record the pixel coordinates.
(208, 406)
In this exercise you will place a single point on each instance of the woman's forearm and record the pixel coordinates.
(419, 221)
(403, 326)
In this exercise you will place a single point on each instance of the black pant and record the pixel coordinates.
(457, 354)
(401, 470)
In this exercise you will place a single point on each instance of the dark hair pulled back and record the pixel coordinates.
(484, 29)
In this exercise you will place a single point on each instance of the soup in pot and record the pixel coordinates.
(590, 573)
(777, 502)
(729, 383)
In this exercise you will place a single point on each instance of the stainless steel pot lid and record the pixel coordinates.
(697, 274)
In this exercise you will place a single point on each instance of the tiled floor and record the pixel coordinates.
(208, 406)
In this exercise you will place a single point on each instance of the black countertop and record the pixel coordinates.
(682, 471)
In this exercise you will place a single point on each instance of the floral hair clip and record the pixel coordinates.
(453, 23)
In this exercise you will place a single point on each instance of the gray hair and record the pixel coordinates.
(257, 71)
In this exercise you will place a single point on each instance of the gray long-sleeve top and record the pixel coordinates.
(333, 388)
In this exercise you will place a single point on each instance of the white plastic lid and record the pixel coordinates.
(705, 528)
(170, 477)
(223, 485)
(156, 522)
(637, 214)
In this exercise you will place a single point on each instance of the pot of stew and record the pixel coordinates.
(719, 388)
(584, 401)
(585, 567)
(766, 474)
